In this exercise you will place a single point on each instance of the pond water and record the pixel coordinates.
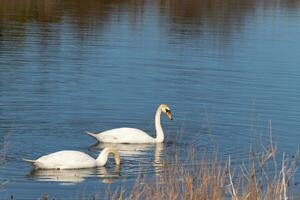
(226, 68)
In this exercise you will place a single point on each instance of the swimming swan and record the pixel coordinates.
(133, 135)
(68, 159)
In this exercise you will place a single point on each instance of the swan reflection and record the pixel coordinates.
(158, 163)
(74, 176)
(141, 153)
(127, 150)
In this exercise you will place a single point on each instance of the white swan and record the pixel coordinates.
(133, 135)
(68, 159)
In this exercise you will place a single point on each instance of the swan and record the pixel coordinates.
(68, 159)
(133, 135)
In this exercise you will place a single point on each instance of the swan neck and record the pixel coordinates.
(103, 157)
(159, 131)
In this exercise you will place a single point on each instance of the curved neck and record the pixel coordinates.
(159, 131)
(102, 158)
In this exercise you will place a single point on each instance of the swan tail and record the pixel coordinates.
(36, 164)
(29, 161)
(91, 134)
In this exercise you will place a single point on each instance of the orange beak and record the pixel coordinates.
(169, 115)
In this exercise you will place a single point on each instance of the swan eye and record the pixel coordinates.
(168, 111)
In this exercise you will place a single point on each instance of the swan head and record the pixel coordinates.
(166, 109)
(102, 158)
(116, 155)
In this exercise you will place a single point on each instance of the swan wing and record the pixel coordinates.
(65, 160)
(125, 135)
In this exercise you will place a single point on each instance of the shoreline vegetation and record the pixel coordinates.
(223, 15)
(218, 182)
(266, 175)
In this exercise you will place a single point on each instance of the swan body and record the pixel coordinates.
(133, 135)
(68, 159)
(123, 135)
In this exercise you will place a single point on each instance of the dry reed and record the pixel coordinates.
(262, 177)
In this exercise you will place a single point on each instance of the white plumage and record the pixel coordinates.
(133, 135)
(68, 159)
(123, 135)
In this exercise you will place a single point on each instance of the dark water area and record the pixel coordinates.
(226, 68)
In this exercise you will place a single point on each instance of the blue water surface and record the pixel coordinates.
(226, 68)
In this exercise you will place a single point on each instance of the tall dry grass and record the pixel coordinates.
(261, 177)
